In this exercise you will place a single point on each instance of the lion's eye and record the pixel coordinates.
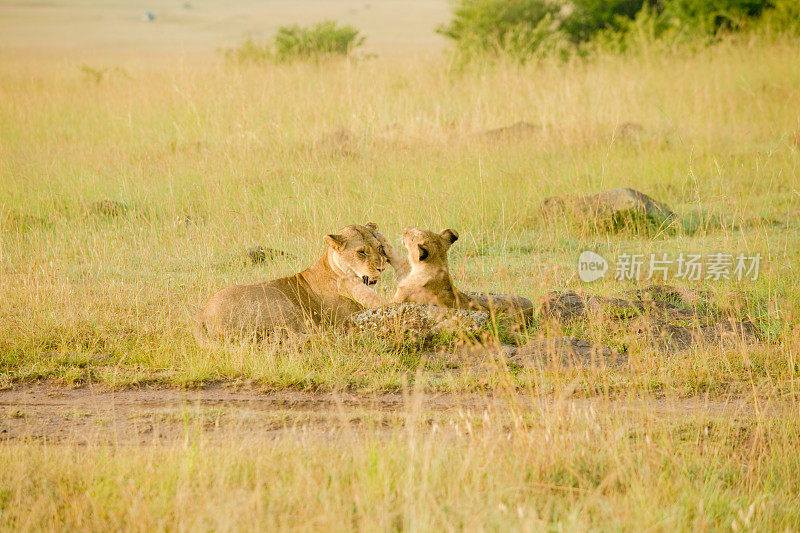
(362, 254)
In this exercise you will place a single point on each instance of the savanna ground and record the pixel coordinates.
(113, 418)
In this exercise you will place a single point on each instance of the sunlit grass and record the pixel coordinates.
(211, 159)
(550, 466)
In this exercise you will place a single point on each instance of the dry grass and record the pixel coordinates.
(212, 159)
(552, 466)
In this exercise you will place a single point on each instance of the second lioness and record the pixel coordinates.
(428, 278)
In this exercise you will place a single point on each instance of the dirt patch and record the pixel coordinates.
(219, 413)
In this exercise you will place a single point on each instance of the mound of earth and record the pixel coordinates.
(108, 208)
(609, 210)
(563, 351)
(418, 322)
(263, 254)
(12, 220)
(665, 317)
(516, 130)
(544, 351)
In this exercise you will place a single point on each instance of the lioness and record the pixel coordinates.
(326, 293)
(429, 281)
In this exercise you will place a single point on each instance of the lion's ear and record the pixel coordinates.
(373, 226)
(449, 235)
(334, 240)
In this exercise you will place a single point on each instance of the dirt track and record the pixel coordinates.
(89, 414)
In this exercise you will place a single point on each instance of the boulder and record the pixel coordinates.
(419, 322)
(670, 338)
(564, 351)
(668, 318)
(610, 210)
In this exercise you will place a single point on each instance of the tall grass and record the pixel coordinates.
(556, 466)
(211, 160)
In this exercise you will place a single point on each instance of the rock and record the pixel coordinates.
(564, 351)
(519, 129)
(418, 322)
(108, 208)
(610, 210)
(262, 254)
(665, 317)
(671, 338)
(570, 305)
(517, 309)
(12, 220)
(681, 296)
(562, 306)
(730, 333)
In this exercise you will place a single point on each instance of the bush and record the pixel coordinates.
(250, 52)
(523, 29)
(517, 28)
(588, 17)
(709, 17)
(783, 17)
(324, 39)
(321, 39)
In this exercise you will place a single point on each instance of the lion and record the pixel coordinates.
(427, 278)
(325, 294)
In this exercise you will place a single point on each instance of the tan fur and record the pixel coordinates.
(325, 294)
(428, 279)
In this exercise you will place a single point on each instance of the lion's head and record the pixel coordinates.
(427, 247)
(355, 249)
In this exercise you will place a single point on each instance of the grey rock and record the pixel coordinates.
(418, 322)
(564, 351)
(610, 210)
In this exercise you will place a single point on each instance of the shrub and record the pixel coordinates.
(708, 17)
(591, 16)
(527, 28)
(320, 40)
(783, 17)
(518, 28)
(250, 52)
